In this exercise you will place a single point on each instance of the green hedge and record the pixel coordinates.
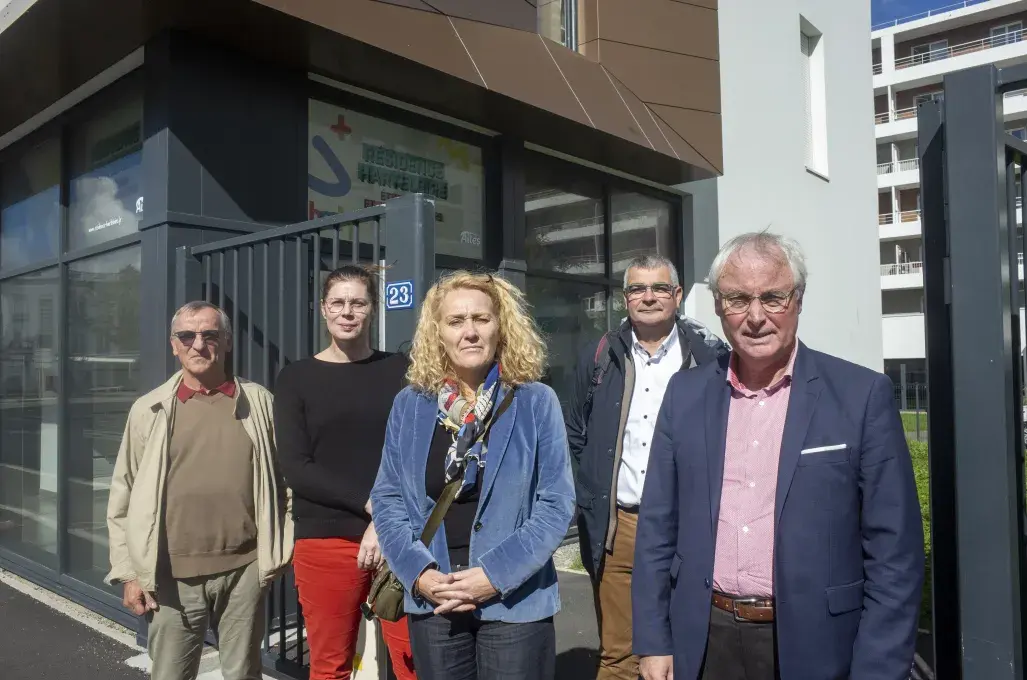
(918, 451)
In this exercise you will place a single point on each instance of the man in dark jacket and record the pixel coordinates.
(618, 389)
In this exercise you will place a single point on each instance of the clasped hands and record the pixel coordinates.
(461, 591)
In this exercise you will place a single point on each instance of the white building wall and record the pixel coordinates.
(765, 182)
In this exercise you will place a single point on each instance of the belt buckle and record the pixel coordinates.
(743, 600)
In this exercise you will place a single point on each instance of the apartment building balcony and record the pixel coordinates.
(925, 67)
(899, 124)
(904, 224)
(901, 174)
(902, 275)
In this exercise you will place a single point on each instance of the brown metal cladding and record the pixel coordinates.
(665, 53)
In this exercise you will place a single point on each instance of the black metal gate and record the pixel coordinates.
(970, 168)
(269, 284)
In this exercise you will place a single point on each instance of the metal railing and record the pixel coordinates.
(896, 115)
(269, 285)
(878, 69)
(898, 166)
(927, 14)
(903, 216)
(900, 268)
(956, 50)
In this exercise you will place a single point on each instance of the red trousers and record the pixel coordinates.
(331, 588)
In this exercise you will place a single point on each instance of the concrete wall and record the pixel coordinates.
(766, 184)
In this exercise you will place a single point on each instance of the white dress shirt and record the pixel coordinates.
(652, 373)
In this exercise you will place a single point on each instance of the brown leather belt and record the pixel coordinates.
(751, 609)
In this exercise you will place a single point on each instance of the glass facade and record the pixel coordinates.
(103, 369)
(106, 156)
(29, 380)
(69, 329)
(580, 234)
(30, 205)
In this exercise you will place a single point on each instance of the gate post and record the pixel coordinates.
(973, 443)
(410, 256)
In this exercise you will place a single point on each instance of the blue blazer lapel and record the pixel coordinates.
(498, 440)
(718, 403)
(802, 401)
(426, 412)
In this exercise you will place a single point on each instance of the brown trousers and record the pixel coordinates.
(613, 604)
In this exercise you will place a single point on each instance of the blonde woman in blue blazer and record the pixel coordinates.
(482, 596)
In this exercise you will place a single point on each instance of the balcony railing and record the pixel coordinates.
(898, 166)
(956, 50)
(878, 69)
(925, 15)
(899, 217)
(899, 268)
(910, 112)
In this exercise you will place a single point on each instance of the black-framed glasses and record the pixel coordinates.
(187, 338)
(773, 302)
(358, 306)
(661, 290)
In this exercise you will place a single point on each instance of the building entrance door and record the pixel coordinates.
(269, 284)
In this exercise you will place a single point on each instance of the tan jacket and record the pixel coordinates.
(134, 519)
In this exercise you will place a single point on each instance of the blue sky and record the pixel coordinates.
(886, 10)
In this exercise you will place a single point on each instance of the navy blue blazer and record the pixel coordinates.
(525, 508)
(848, 543)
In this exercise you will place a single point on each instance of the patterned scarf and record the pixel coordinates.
(468, 425)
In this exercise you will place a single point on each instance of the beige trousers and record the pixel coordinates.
(231, 603)
(613, 604)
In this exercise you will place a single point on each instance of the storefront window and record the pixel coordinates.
(564, 221)
(30, 205)
(28, 416)
(641, 225)
(570, 314)
(103, 382)
(106, 176)
(355, 161)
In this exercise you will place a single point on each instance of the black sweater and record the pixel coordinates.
(330, 423)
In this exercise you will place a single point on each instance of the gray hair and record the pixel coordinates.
(649, 262)
(190, 308)
(768, 245)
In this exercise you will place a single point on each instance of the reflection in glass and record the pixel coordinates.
(103, 382)
(564, 221)
(30, 205)
(106, 186)
(641, 226)
(28, 416)
(569, 316)
(552, 21)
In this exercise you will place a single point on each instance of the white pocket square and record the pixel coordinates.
(821, 449)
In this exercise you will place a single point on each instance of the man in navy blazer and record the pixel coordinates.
(781, 533)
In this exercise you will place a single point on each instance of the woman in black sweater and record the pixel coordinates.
(330, 416)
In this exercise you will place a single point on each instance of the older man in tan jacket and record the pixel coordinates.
(199, 515)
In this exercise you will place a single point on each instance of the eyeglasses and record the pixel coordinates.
(187, 338)
(772, 302)
(660, 290)
(358, 307)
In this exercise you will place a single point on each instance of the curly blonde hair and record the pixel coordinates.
(521, 349)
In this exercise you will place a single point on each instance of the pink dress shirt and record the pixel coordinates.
(744, 561)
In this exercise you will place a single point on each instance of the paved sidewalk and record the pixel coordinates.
(39, 643)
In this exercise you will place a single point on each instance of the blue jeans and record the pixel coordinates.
(460, 647)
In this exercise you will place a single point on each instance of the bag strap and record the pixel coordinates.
(600, 364)
(451, 489)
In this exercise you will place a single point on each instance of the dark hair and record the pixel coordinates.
(353, 272)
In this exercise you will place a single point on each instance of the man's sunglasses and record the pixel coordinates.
(187, 338)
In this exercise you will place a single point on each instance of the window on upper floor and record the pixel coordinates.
(814, 92)
(937, 95)
(932, 51)
(1007, 33)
